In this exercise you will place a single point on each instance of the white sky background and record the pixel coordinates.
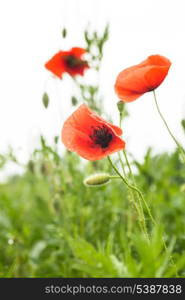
(30, 33)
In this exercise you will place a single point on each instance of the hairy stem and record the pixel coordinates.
(181, 149)
(141, 216)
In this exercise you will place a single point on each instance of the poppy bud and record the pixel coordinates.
(120, 106)
(182, 188)
(74, 101)
(45, 100)
(64, 32)
(97, 179)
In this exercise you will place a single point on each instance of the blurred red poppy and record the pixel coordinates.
(133, 82)
(90, 136)
(70, 62)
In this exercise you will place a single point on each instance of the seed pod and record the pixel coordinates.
(97, 179)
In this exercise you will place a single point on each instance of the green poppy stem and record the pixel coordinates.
(135, 189)
(167, 127)
(141, 197)
(150, 214)
(131, 194)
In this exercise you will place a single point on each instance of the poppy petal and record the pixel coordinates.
(155, 76)
(116, 129)
(158, 60)
(83, 146)
(84, 116)
(56, 65)
(133, 82)
(78, 130)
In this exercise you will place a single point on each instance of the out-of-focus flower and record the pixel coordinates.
(70, 62)
(133, 82)
(90, 136)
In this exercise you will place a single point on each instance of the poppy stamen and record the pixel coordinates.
(101, 136)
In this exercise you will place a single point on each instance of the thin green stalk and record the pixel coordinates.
(141, 217)
(148, 210)
(122, 164)
(132, 196)
(127, 162)
(140, 194)
(140, 197)
(167, 127)
(133, 180)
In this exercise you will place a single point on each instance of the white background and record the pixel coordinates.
(30, 33)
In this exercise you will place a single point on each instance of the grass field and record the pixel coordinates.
(52, 225)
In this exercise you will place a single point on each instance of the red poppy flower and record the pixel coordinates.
(133, 82)
(90, 136)
(70, 62)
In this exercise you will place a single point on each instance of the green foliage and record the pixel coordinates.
(95, 44)
(90, 94)
(53, 225)
(183, 124)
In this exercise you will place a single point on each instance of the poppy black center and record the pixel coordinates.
(101, 136)
(73, 61)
